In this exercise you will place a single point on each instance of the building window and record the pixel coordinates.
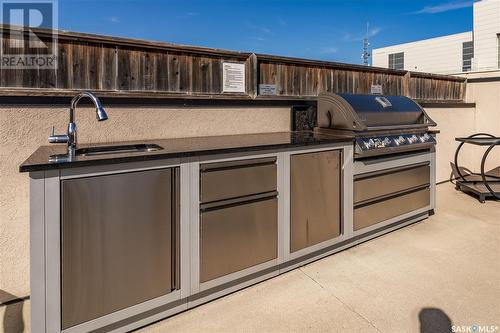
(467, 55)
(397, 60)
(498, 43)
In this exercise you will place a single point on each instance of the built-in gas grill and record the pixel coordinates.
(380, 124)
(394, 158)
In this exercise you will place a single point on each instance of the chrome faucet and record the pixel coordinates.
(71, 137)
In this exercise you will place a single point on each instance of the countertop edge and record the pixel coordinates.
(178, 154)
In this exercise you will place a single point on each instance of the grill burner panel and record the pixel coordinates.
(392, 141)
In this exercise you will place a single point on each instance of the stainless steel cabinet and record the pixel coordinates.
(315, 198)
(119, 243)
(238, 216)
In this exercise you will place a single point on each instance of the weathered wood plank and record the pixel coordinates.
(201, 75)
(64, 74)
(178, 73)
(281, 70)
(78, 65)
(251, 70)
(128, 69)
(162, 74)
(11, 76)
(107, 64)
(147, 71)
(46, 76)
(92, 66)
(174, 75)
(268, 73)
(108, 67)
(216, 76)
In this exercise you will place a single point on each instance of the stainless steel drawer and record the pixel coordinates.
(377, 184)
(238, 237)
(379, 211)
(220, 181)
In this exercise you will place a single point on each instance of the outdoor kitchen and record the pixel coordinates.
(149, 186)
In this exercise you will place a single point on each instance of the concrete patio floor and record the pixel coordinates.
(440, 272)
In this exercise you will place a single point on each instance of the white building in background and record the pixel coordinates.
(477, 50)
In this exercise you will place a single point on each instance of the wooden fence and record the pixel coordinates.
(128, 67)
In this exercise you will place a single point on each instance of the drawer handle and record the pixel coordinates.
(237, 164)
(389, 171)
(238, 201)
(390, 196)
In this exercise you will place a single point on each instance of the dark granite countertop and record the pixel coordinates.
(42, 158)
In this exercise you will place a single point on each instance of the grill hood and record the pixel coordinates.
(356, 112)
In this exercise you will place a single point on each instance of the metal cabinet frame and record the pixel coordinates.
(346, 203)
(46, 253)
(212, 288)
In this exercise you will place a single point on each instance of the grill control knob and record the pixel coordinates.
(379, 143)
(424, 138)
(399, 140)
(412, 139)
(369, 143)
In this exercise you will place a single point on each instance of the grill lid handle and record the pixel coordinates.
(383, 101)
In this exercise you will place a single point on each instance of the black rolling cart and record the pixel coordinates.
(484, 184)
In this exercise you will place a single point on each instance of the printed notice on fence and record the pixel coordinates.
(376, 89)
(267, 89)
(233, 77)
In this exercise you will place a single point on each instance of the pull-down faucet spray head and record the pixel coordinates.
(101, 113)
(99, 109)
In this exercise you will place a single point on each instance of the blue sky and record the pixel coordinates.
(315, 29)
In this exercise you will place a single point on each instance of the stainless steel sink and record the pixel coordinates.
(104, 150)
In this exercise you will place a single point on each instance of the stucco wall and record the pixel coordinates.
(24, 128)
(456, 122)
